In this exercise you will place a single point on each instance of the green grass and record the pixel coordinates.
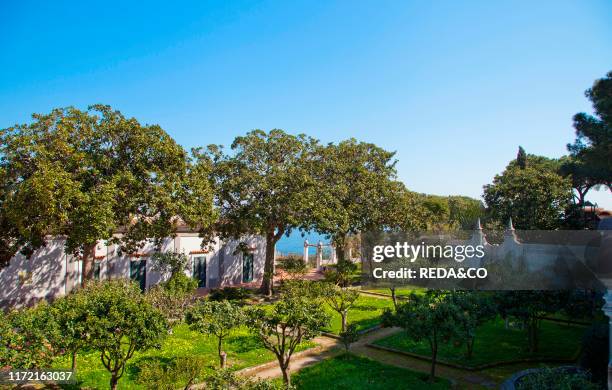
(494, 343)
(365, 313)
(399, 291)
(351, 372)
(243, 350)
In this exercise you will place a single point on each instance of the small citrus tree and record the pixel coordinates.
(431, 317)
(120, 322)
(291, 320)
(70, 315)
(341, 300)
(217, 318)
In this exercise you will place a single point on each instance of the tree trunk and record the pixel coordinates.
(344, 315)
(393, 297)
(272, 236)
(286, 375)
(434, 358)
(470, 347)
(340, 243)
(89, 254)
(73, 356)
(113, 381)
(268, 277)
(222, 355)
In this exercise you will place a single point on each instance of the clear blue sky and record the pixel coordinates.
(453, 87)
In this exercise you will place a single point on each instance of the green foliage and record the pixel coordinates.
(283, 327)
(170, 263)
(85, 174)
(497, 342)
(228, 380)
(535, 197)
(556, 379)
(591, 152)
(183, 370)
(349, 336)
(180, 284)
(521, 158)
(173, 301)
(475, 308)
(299, 288)
(341, 300)
(265, 187)
(432, 317)
(341, 274)
(530, 307)
(357, 191)
(239, 294)
(27, 338)
(294, 266)
(120, 322)
(70, 316)
(217, 318)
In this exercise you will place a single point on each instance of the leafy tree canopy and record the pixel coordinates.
(88, 174)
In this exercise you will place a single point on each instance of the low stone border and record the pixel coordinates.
(473, 368)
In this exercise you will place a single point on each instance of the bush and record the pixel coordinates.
(180, 283)
(183, 371)
(229, 294)
(27, 338)
(555, 379)
(228, 380)
(293, 266)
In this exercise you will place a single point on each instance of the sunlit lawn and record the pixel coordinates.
(350, 372)
(365, 313)
(494, 343)
(243, 350)
(399, 291)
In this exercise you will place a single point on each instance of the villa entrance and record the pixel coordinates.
(138, 272)
(199, 270)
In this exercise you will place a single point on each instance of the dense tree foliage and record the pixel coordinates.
(265, 187)
(591, 153)
(86, 175)
(217, 318)
(293, 319)
(432, 317)
(120, 322)
(535, 197)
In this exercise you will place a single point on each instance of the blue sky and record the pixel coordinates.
(453, 87)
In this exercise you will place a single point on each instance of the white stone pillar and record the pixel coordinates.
(608, 311)
(305, 258)
(332, 256)
(319, 254)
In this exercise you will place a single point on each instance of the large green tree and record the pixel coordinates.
(87, 175)
(534, 195)
(265, 187)
(358, 191)
(590, 164)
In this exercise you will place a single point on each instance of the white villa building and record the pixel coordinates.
(51, 272)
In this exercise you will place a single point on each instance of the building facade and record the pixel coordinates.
(51, 272)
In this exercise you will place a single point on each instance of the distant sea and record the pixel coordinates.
(295, 243)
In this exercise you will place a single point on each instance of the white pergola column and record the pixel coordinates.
(305, 257)
(319, 254)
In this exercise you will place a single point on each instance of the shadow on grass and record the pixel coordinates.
(241, 344)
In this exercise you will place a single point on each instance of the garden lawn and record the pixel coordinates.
(352, 372)
(243, 350)
(366, 313)
(399, 292)
(494, 343)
